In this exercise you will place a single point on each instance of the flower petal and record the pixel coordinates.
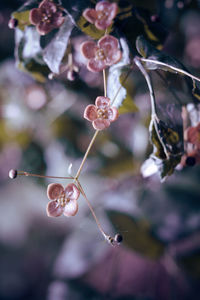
(88, 49)
(35, 16)
(112, 114)
(44, 28)
(90, 112)
(103, 24)
(101, 124)
(106, 13)
(57, 19)
(71, 208)
(72, 192)
(108, 40)
(109, 8)
(113, 57)
(191, 134)
(54, 190)
(102, 102)
(53, 209)
(47, 7)
(90, 15)
(96, 65)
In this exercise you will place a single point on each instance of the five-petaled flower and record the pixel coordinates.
(193, 135)
(104, 53)
(102, 15)
(46, 17)
(63, 201)
(101, 114)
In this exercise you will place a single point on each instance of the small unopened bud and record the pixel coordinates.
(12, 23)
(51, 76)
(118, 238)
(12, 174)
(190, 161)
(71, 75)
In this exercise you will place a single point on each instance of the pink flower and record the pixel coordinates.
(105, 53)
(101, 114)
(193, 135)
(102, 15)
(64, 201)
(46, 17)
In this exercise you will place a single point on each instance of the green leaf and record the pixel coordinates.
(137, 235)
(132, 16)
(54, 52)
(167, 150)
(116, 89)
(90, 30)
(28, 53)
(150, 52)
(22, 18)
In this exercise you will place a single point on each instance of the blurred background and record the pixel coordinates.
(42, 131)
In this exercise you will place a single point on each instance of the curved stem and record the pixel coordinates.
(149, 83)
(170, 67)
(154, 116)
(106, 236)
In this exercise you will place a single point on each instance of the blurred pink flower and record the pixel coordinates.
(193, 135)
(104, 53)
(101, 114)
(102, 15)
(46, 17)
(64, 201)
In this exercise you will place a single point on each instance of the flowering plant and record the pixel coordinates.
(48, 44)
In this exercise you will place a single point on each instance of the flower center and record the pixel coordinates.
(62, 200)
(102, 113)
(100, 55)
(102, 15)
(46, 18)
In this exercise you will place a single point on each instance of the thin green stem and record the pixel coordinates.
(22, 173)
(104, 83)
(123, 81)
(149, 83)
(86, 154)
(106, 236)
(170, 67)
(154, 116)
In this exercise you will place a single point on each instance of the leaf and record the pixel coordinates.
(90, 30)
(55, 50)
(22, 14)
(115, 86)
(137, 235)
(22, 18)
(167, 150)
(150, 52)
(28, 53)
(132, 15)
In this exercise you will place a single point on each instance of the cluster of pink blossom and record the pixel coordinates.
(100, 55)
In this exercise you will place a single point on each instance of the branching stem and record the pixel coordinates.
(170, 67)
(154, 116)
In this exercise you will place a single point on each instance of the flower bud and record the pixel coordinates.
(12, 174)
(118, 238)
(12, 23)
